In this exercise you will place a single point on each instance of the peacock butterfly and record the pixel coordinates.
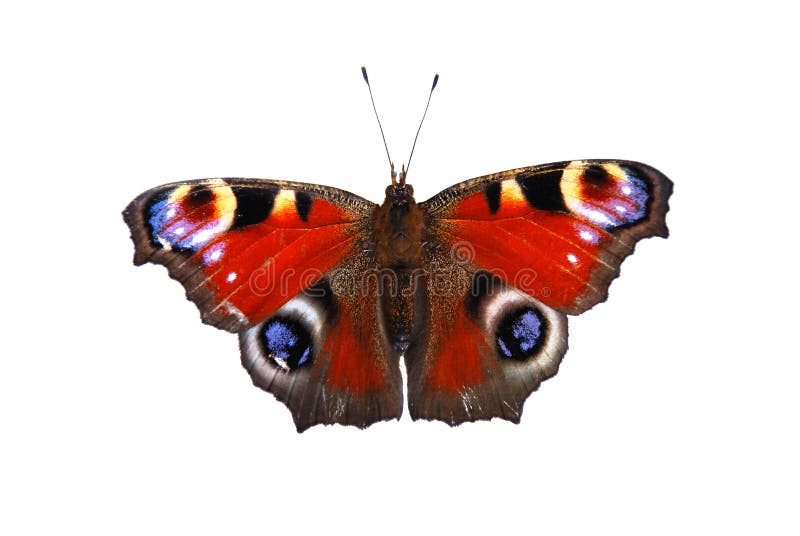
(327, 291)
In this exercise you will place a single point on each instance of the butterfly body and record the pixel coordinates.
(328, 291)
(399, 234)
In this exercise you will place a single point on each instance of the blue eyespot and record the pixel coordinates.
(520, 334)
(286, 343)
(186, 218)
(634, 199)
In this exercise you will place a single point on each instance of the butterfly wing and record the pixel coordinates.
(325, 353)
(558, 231)
(521, 249)
(258, 258)
(486, 347)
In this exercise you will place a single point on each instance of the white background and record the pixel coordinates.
(676, 409)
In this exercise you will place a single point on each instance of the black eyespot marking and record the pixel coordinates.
(596, 175)
(286, 343)
(632, 172)
(543, 190)
(483, 284)
(302, 202)
(323, 297)
(253, 205)
(521, 334)
(492, 193)
(199, 196)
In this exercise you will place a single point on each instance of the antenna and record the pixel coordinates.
(374, 109)
(404, 171)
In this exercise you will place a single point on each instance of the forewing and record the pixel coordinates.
(243, 247)
(558, 231)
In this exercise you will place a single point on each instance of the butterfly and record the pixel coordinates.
(327, 291)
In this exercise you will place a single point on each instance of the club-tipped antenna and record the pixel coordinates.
(374, 109)
(404, 174)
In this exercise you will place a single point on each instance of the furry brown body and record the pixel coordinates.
(399, 233)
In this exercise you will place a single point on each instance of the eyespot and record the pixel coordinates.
(187, 217)
(607, 194)
(287, 343)
(520, 334)
(290, 340)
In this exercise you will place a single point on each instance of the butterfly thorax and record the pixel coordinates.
(399, 224)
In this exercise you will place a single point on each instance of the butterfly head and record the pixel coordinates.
(398, 192)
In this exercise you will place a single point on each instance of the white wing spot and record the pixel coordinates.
(588, 236)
